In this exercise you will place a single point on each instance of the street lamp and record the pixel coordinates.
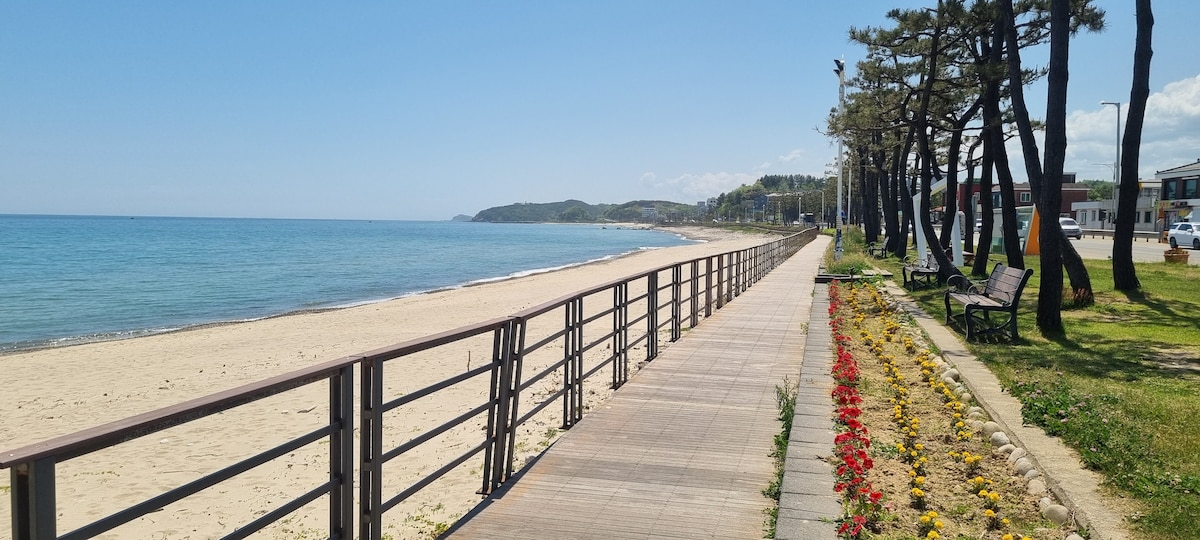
(1117, 167)
(840, 70)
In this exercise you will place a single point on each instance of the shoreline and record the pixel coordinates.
(700, 236)
(59, 391)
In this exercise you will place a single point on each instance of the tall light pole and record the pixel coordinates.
(840, 70)
(1117, 166)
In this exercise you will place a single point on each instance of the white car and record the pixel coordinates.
(1185, 233)
(1070, 227)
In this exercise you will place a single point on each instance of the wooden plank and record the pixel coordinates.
(682, 450)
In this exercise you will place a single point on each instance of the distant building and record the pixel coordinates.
(1180, 194)
(1102, 214)
(1071, 193)
(712, 202)
(649, 213)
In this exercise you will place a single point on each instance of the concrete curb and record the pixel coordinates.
(1077, 488)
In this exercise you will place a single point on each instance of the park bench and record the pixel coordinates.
(878, 249)
(1000, 294)
(920, 274)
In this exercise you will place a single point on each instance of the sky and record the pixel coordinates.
(426, 110)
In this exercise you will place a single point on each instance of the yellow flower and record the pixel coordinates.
(937, 524)
(1007, 537)
(919, 480)
(989, 513)
(925, 519)
(933, 535)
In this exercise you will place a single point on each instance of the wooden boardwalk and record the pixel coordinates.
(682, 450)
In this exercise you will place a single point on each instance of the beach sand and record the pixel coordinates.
(55, 392)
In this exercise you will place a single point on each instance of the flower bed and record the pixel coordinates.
(908, 461)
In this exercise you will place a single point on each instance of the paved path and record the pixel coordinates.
(682, 450)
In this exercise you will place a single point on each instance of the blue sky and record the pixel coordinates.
(425, 110)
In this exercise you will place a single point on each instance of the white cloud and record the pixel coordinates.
(699, 186)
(1170, 133)
(792, 156)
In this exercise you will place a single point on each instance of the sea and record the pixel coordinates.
(74, 279)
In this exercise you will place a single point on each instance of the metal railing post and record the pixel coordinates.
(676, 308)
(652, 316)
(341, 454)
(573, 363)
(695, 294)
(620, 326)
(503, 428)
(729, 260)
(515, 357)
(708, 286)
(370, 498)
(33, 504)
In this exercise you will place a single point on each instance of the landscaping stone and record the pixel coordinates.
(976, 416)
(965, 396)
(1058, 513)
(1016, 454)
(975, 425)
(1006, 449)
(990, 427)
(1032, 474)
(952, 373)
(1023, 466)
(999, 439)
(1044, 504)
(974, 410)
(1073, 536)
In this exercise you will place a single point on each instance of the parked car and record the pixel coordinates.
(1185, 233)
(1070, 227)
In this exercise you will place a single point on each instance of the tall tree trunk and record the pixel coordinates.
(928, 163)
(994, 127)
(1124, 274)
(967, 203)
(984, 249)
(891, 226)
(1081, 282)
(1049, 312)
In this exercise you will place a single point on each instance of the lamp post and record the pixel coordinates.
(1117, 165)
(840, 70)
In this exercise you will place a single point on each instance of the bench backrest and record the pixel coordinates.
(1006, 283)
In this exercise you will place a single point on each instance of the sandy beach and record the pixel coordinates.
(54, 392)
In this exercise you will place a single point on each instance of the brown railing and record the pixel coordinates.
(523, 378)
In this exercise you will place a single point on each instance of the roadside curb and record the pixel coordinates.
(1075, 487)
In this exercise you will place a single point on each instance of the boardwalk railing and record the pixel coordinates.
(538, 358)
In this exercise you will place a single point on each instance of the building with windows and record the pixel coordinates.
(1072, 193)
(1102, 214)
(1180, 194)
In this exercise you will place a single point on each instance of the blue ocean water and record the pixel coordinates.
(71, 279)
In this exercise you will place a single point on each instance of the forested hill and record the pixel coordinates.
(573, 211)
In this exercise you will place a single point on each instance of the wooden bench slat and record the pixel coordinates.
(1001, 293)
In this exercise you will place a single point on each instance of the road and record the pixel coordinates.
(1143, 251)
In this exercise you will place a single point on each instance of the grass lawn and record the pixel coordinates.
(1122, 386)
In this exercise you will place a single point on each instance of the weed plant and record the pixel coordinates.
(785, 401)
